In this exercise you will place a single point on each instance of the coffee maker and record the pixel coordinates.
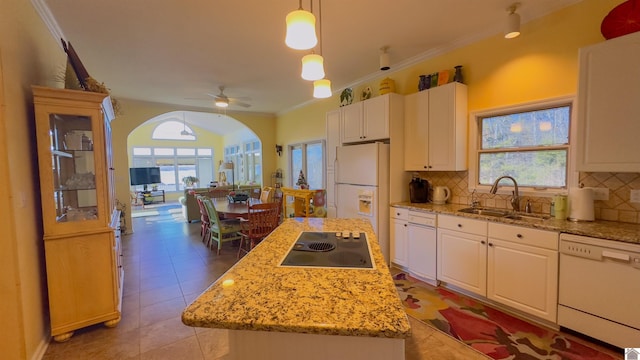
(419, 190)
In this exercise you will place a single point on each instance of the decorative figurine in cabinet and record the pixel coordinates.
(79, 214)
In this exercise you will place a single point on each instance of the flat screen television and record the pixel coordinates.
(144, 175)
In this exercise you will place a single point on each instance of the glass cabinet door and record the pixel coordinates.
(73, 165)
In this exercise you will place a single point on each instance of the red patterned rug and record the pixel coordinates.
(492, 332)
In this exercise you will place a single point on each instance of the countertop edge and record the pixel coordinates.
(608, 230)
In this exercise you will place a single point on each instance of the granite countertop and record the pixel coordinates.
(327, 301)
(610, 230)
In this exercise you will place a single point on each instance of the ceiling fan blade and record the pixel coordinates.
(239, 103)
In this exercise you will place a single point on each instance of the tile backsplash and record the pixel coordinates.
(617, 208)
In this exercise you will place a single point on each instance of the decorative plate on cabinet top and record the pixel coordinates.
(346, 97)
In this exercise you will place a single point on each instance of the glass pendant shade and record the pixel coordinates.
(513, 26)
(301, 30)
(322, 89)
(312, 67)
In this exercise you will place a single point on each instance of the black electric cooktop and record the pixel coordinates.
(330, 249)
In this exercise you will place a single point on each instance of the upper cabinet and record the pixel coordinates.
(608, 106)
(369, 120)
(436, 129)
(75, 166)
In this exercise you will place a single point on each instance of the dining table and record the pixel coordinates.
(231, 210)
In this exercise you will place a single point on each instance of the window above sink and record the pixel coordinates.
(530, 142)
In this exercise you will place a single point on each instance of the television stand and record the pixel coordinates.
(151, 196)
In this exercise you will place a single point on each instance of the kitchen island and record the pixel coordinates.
(291, 312)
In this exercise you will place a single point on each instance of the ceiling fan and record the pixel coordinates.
(223, 101)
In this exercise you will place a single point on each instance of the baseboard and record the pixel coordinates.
(43, 345)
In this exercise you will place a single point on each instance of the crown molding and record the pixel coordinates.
(45, 14)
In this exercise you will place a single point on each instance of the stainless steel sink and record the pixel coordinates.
(504, 214)
(527, 217)
(485, 212)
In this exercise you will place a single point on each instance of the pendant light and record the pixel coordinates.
(322, 88)
(312, 67)
(512, 29)
(301, 29)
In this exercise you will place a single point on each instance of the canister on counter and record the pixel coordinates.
(560, 206)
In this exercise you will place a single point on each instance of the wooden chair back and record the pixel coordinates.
(261, 220)
(266, 195)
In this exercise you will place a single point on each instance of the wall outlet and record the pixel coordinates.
(600, 193)
(635, 196)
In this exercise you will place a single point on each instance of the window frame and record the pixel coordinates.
(505, 187)
(151, 160)
(294, 177)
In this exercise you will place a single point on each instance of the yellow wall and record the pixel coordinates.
(541, 63)
(28, 55)
(135, 113)
(142, 137)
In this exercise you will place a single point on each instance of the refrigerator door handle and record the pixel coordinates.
(335, 181)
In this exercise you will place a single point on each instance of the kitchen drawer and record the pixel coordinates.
(457, 223)
(399, 213)
(523, 235)
(421, 218)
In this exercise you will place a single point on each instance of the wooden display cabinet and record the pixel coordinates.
(80, 219)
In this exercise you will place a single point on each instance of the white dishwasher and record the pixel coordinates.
(421, 246)
(599, 289)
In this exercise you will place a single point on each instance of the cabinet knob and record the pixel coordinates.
(112, 168)
(490, 244)
(426, 167)
(482, 242)
(459, 225)
(405, 225)
(519, 236)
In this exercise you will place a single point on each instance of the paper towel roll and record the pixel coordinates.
(581, 204)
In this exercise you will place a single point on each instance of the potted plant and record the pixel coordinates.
(190, 181)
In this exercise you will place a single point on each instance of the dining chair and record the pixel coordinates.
(220, 230)
(266, 195)
(219, 194)
(255, 193)
(204, 220)
(261, 220)
(278, 197)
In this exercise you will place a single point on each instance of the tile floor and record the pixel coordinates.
(166, 267)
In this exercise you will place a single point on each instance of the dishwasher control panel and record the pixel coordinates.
(580, 250)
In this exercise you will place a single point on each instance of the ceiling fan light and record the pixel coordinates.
(301, 30)
(322, 89)
(223, 103)
(312, 67)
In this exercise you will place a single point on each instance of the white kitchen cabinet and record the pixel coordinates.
(399, 221)
(421, 246)
(332, 142)
(522, 269)
(436, 129)
(608, 107)
(369, 120)
(462, 253)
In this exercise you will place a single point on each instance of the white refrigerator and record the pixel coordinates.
(362, 187)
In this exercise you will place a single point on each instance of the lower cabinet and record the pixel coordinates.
(522, 269)
(462, 253)
(398, 230)
(512, 265)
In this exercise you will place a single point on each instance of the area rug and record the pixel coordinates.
(492, 332)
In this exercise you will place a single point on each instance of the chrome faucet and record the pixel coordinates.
(515, 198)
